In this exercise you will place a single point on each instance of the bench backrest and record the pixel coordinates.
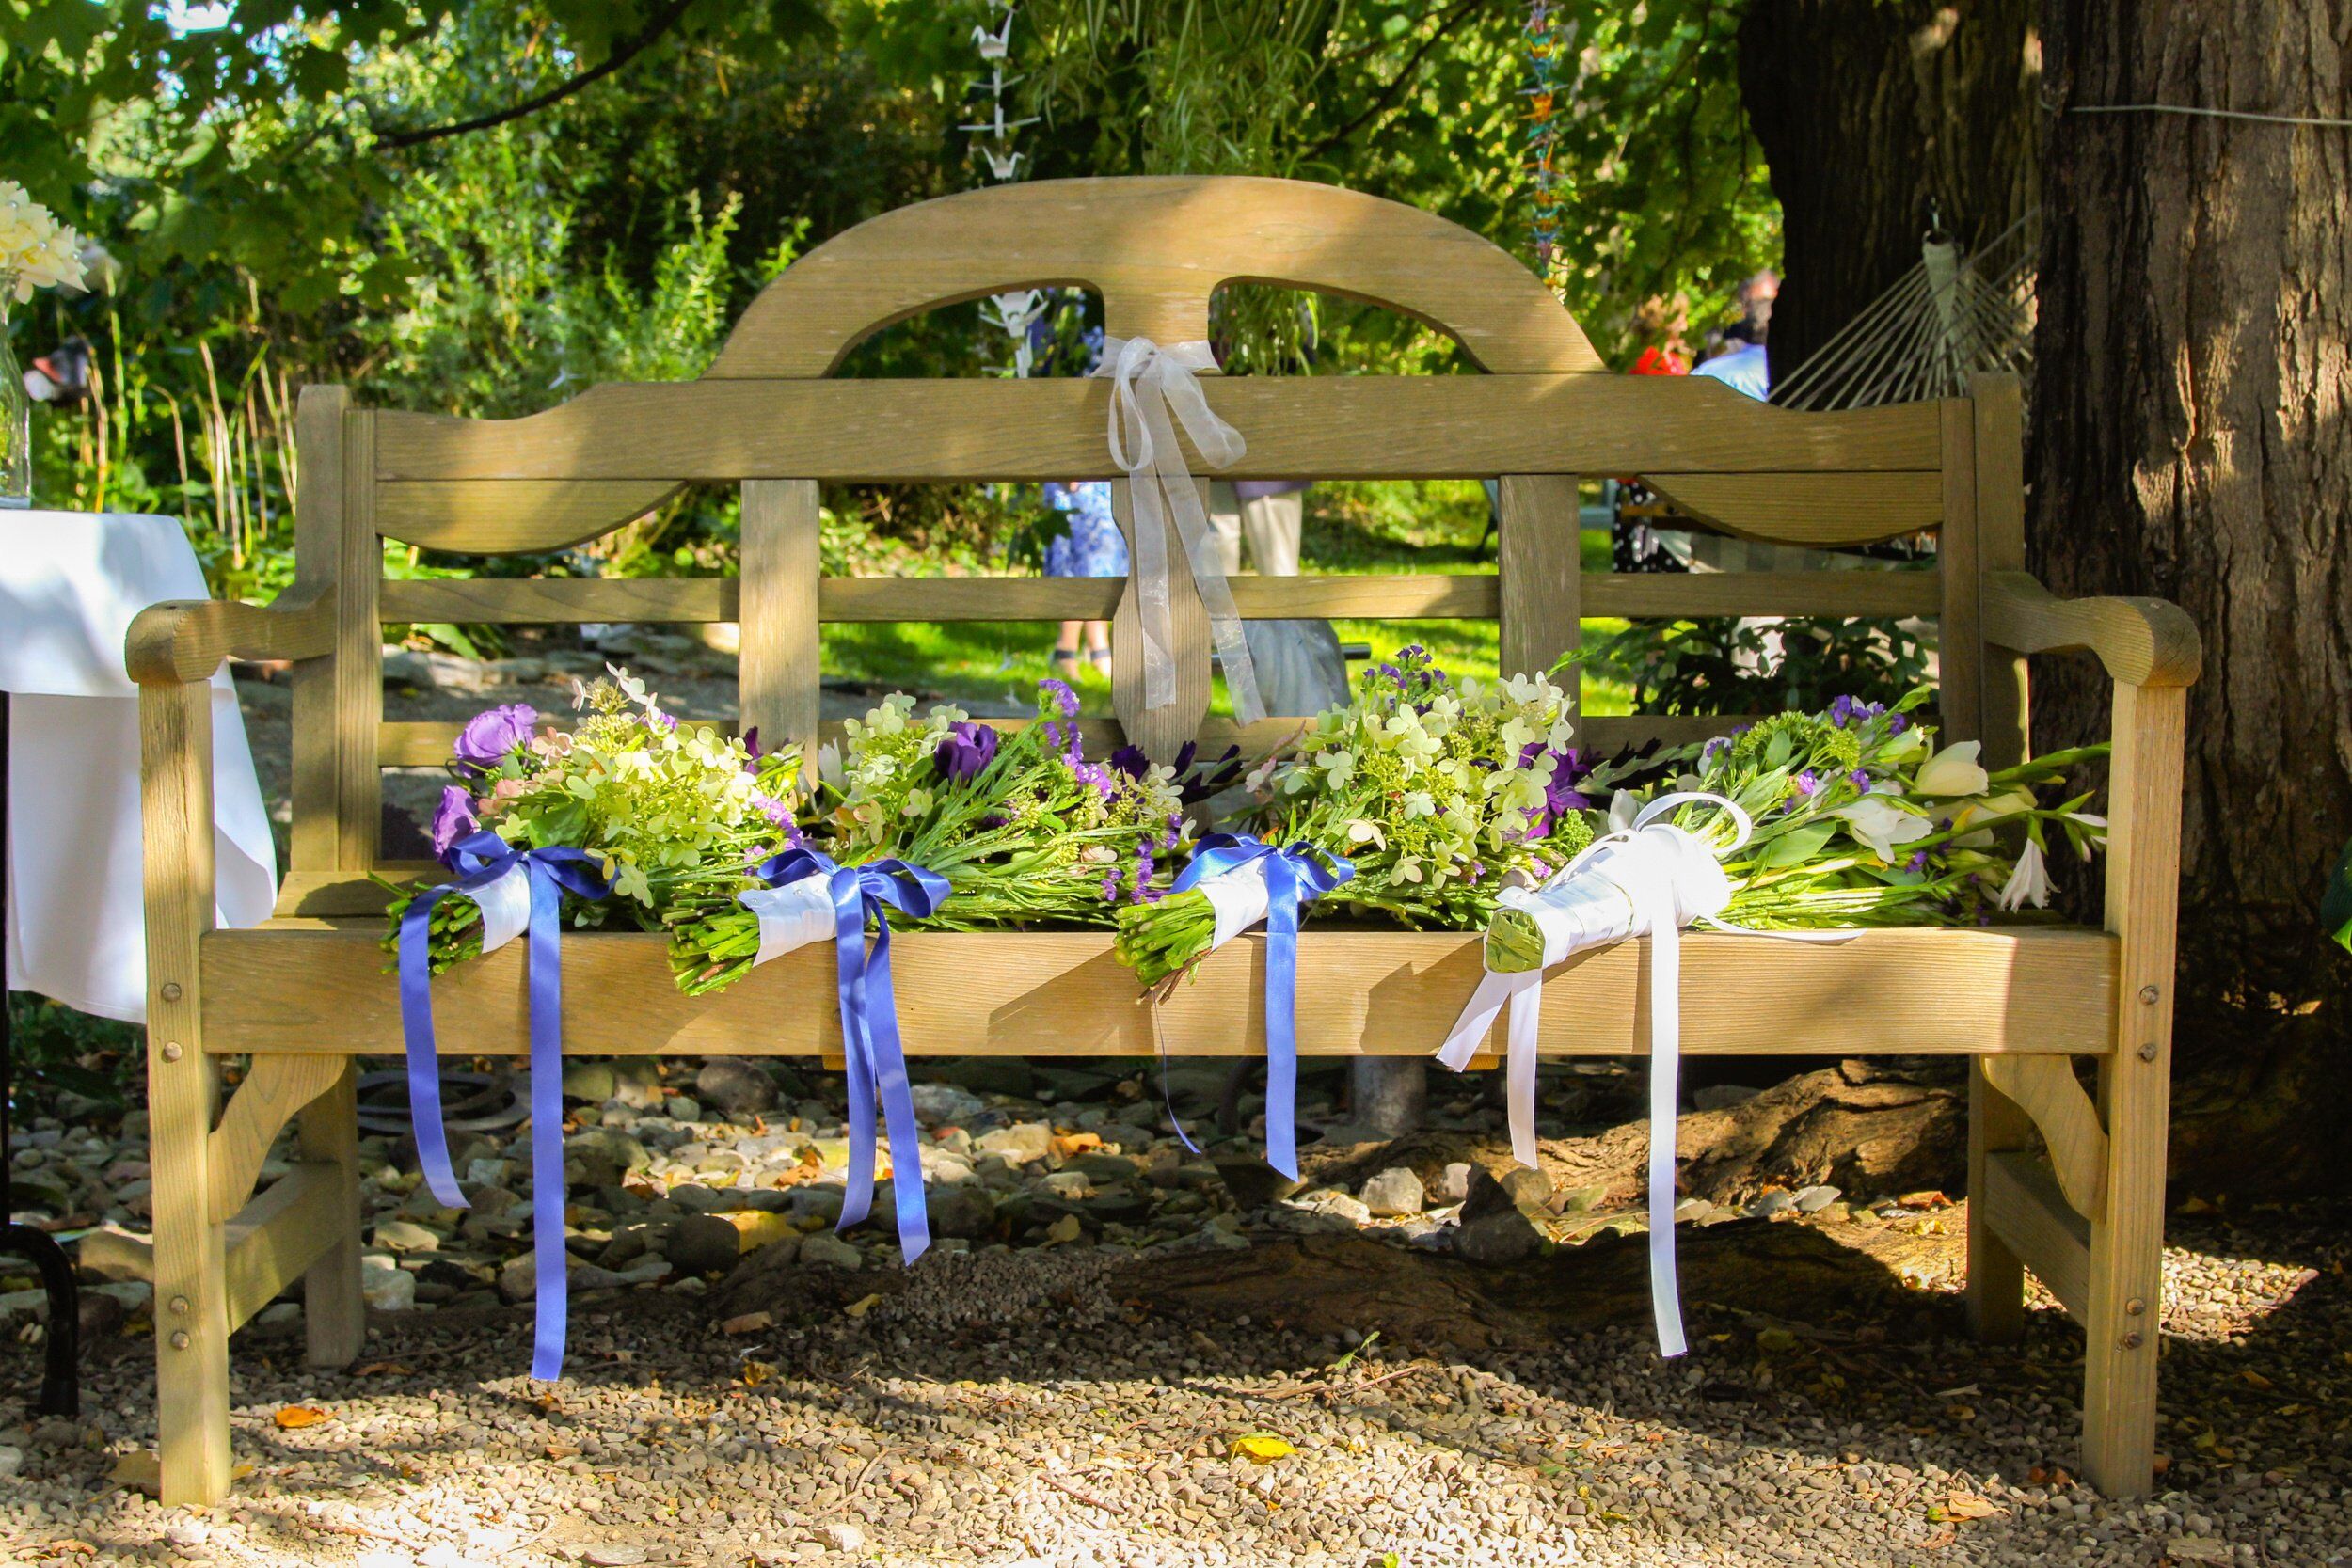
(767, 416)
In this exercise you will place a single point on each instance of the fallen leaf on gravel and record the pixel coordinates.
(1941, 1538)
(863, 1305)
(1262, 1447)
(291, 1417)
(1777, 1340)
(2197, 1548)
(1068, 1144)
(138, 1469)
(748, 1322)
(2256, 1379)
(384, 1368)
(758, 1372)
(69, 1549)
(1962, 1506)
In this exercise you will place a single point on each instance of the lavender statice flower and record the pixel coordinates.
(1898, 724)
(453, 819)
(1093, 773)
(1860, 778)
(964, 751)
(1806, 782)
(1918, 862)
(1063, 697)
(491, 736)
(1841, 712)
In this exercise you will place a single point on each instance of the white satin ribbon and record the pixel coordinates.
(1149, 381)
(791, 916)
(506, 905)
(1239, 900)
(1650, 878)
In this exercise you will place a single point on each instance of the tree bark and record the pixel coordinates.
(2189, 440)
(1874, 114)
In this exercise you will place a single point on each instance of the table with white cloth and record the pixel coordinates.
(72, 899)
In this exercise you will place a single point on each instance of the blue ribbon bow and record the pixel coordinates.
(480, 858)
(869, 1024)
(1295, 878)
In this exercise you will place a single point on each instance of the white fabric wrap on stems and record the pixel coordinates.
(1150, 383)
(506, 905)
(791, 916)
(1650, 879)
(1239, 898)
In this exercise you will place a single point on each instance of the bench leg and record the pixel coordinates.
(1997, 1280)
(334, 1314)
(2123, 1310)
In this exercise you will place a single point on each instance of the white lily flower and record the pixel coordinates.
(829, 763)
(1881, 826)
(1623, 808)
(2029, 883)
(1953, 770)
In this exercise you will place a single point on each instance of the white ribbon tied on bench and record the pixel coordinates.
(1650, 878)
(1150, 383)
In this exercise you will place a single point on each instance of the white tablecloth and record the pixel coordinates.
(69, 584)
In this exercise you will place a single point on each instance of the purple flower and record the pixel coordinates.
(453, 819)
(1898, 724)
(1807, 783)
(1918, 862)
(750, 743)
(1131, 761)
(1561, 796)
(1841, 712)
(1110, 887)
(1063, 697)
(964, 751)
(659, 721)
(490, 738)
(1860, 778)
(1088, 772)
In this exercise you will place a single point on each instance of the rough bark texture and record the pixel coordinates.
(1868, 111)
(2189, 440)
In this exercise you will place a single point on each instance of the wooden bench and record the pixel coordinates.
(306, 993)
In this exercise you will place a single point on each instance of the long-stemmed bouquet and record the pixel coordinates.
(1023, 827)
(660, 807)
(1439, 794)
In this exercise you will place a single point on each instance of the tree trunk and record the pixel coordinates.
(2195, 298)
(1875, 114)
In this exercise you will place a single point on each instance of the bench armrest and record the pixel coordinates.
(2140, 641)
(186, 639)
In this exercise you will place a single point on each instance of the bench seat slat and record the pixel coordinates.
(312, 987)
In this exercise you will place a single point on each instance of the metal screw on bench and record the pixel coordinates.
(59, 1395)
(2149, 994)
(179, 1339)
(2148, 1052)
(171, 1051)
(172, 991)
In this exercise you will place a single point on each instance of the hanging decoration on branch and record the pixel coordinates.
(1015, 311)
(1548, 39)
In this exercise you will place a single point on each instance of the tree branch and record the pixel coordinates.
(1388, 95)
(622, 52)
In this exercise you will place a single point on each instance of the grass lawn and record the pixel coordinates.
(1351, 529)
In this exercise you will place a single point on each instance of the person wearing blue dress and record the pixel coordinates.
(1092, 547)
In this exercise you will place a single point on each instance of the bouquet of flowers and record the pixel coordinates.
(662, 808)
(1848, 817)
(1022, 827)
(1439, 794)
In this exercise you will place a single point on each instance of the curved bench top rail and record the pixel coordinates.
(1156, 248)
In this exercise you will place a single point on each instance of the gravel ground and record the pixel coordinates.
(1013, 1404)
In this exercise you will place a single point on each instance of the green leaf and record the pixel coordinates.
(1795, 846)
(2335, 909)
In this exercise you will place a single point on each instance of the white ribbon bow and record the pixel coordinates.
(1650, 878)
(790, 917)
(1147, 382)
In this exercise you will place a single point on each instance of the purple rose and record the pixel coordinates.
(1561, 796)
(964, 751)
(490, 738)
(454, 818)
(1131, 761)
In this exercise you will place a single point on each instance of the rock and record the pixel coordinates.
(938, 1103)
(1393, 1192)
(613, 1554)
(406, 1236)
(1580, 1200)
(824, 1247)
(594, 1082)
(1494, 1229)
(737, 1088)
(845, 1537)
(749, 1323)
(1812, 1201)
(682, 1108)
(760, 1227)
(280, 1315)
(605, 1158)
(1064, 1230)
(488, 1172)
(817, 1202)
(1776, 1202)
(1023, 1142)
(387, 1286)
(703, 1244)
(1068, 1184)
(986, 1074)
(1528, 1187)
(11, 1460)
(1453, 1183)
(634, 1240)
(1330, 1200)
(1721, 1096)
(964, 1209)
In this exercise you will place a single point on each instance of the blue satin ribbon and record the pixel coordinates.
(480, 858)
(1295, 878)
(869, 1026)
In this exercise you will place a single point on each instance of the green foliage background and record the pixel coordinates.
(297, 192)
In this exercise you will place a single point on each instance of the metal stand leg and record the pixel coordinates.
(61, 1395)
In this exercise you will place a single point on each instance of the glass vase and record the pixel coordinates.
(16, 421)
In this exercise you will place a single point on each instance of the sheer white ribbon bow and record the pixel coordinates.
(1650, 878)
(1149, 381)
